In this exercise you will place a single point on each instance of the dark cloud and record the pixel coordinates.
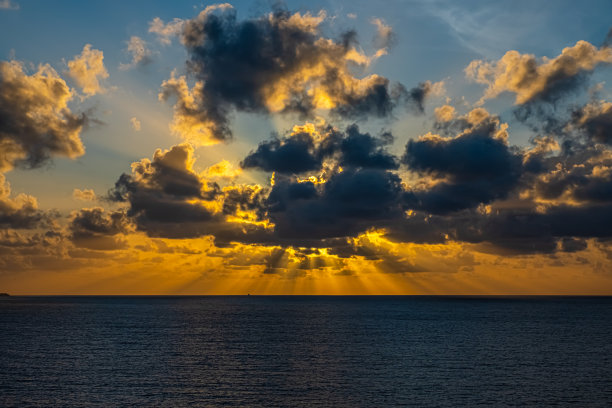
(293, 155)
(161, 191)
(363, 150)
(594, 120)
(279, 62)
(21, 250)
(330, 186)
(35, 121)
(96, 221)
(572, 244)
(533, 231)
(166, 198)
(380, 100)
(350, 202)
(580, 172)
(473, 168)
(245, 198)
(305, 151)
(95, 228)
(170, 174)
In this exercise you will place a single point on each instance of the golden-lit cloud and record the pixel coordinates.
(296, 70)
(188, 121)
(167, 198)
(41, 124)
(594, 120)
(84, 195)
(87, 70)
(444, 113)
(530, 78)
(166, 31)
(135, 124)
(18, 212)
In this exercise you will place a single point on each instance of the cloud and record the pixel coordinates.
(416, 96)
(385, 36)
(141, 54)
(95, 228)
(8, 5)
(530, 231)
(87, 70)
(578, 175)
(475, 167)
(167, 198)
(444, 113)
(166, 31)
(532, 79)
(21, 211)
(276, 63)
(170, 172)
(84, 195)
(594, 120)
(135, 124)
(35, 121)
(222, 171)
(309, 146)
(189, 120)
(295, 154)
(363, 150)
(164, 190)
(350, 202)
(573, 244)
(330, 186)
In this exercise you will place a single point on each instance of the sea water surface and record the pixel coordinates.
(257, 351)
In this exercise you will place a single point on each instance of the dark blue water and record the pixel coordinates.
(305, 351)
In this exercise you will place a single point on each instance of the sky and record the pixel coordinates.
(322, 147)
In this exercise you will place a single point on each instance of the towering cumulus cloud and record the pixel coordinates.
(35, 121)
(277, 63)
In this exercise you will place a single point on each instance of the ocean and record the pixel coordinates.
(305, 351)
